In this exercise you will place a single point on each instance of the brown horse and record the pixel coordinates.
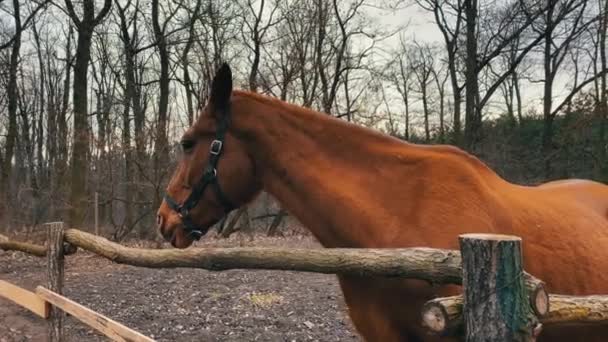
(355, 187)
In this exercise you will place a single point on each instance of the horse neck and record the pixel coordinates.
(319, 168)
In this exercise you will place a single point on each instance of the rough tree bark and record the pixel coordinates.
(603, 105)
(55, 261)
(472, 121)
(496, 305)
(11, 135)
(81, 138)
(188, 86)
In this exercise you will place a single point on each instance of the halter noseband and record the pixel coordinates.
(209, 177)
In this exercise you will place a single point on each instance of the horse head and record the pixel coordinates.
(214, 175)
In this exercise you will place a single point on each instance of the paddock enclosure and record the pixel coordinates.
(519, 309)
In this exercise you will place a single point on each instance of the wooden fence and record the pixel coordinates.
(480, 275)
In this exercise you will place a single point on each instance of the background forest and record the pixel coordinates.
(94, 94)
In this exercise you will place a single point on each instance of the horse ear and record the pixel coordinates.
(221, 89)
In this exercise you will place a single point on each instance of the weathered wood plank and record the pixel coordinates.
(24, 298)
(101, 323)
(54, 271)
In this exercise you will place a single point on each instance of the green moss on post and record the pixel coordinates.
(496, 305)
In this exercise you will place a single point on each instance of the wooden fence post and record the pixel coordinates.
(55, 259)
(496, 304)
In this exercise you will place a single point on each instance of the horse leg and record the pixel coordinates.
(388, 309)
(370, 320)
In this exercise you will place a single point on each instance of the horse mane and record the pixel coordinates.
(358, 130)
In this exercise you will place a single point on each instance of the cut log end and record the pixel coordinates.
(539, 300)
(490, 237)
(434, 317)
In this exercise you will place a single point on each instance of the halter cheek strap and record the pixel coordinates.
(209, 177)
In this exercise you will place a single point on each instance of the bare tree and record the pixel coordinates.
(422, 62)
(449, 18)
(563, 23)
(399, 73)
(511, 88)
(441, 75)
(40, 6)
(472, 117)
(185, 60)
(603, 98)
(160, 39)
(255, 35)
(12, 95)
(81, 138)
(334, 59)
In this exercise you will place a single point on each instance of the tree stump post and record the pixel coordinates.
(496, 303)
(55, 260)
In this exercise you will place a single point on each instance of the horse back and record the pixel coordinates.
(590, 194)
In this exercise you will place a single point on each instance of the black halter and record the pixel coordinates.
(209, 177)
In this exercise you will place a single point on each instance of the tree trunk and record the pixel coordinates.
(547, 138)
(471, 123)
(39, 132)
(425, 107)
(456, 94)
(520, 117)
(11, 136)
(603, 105)
(81, 138)
(441, 118)
(186, 63)
(160, 147)
(62, 123)
(80, 146)
(128, 155)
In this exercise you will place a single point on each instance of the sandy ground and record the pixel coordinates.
(186, 304)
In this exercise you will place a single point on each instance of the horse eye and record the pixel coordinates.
(187, 145)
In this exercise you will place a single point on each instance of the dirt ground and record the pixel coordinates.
(186, 304)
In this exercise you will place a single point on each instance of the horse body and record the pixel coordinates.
(354, 187)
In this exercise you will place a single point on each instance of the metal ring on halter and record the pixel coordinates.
(216, 147)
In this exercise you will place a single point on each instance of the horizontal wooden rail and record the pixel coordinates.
(40, 303)
(577, 309)
(24, 298)
(29, 248)
(105, 325)
(434, 265)
(444, 315)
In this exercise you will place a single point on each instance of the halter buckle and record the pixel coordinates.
(216, 147)
(183, 212)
